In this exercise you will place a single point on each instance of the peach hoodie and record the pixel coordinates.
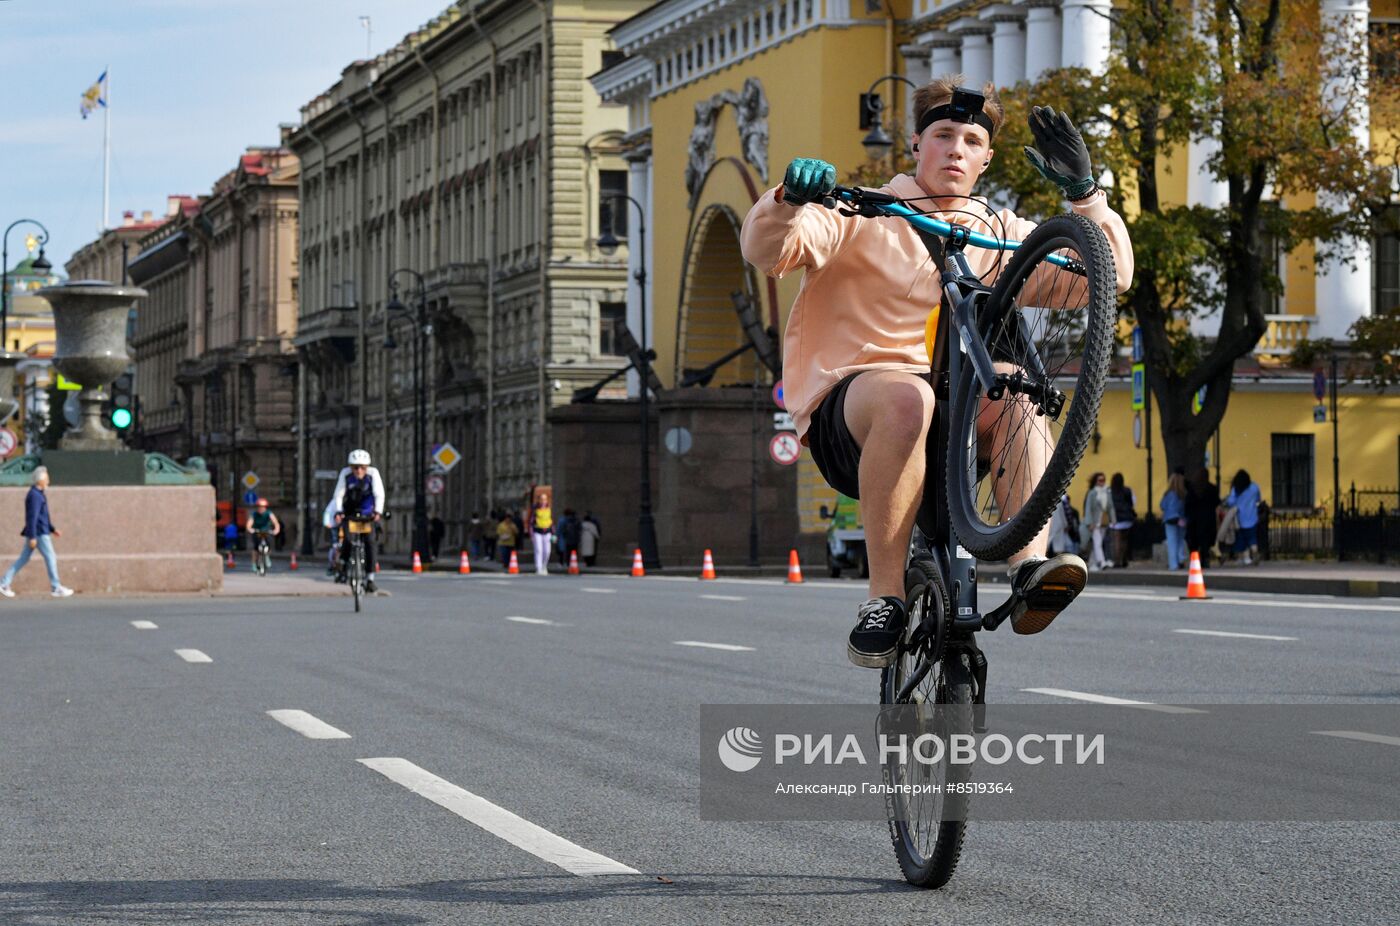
(870, 284)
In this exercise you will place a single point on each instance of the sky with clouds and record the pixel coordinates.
(193, 83)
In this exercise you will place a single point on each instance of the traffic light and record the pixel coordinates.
(121, 404)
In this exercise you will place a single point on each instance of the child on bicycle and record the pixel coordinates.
(855, 364)
(262, 524)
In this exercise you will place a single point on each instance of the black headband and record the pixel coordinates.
(965, 107)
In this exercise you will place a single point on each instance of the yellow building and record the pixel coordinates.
(722, 94)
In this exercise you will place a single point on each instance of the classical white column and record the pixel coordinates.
(916, 68)
(1344, 292)
(1008, 43)
(1084, 34)
(976, 50)
(945, 53)
(1042, 37)
(639, 177)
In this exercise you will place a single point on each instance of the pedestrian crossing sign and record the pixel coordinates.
(447, 457)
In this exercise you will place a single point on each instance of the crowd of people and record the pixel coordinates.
(1194, 516)
(504, 531)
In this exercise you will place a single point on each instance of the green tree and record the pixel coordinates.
(1248, 75)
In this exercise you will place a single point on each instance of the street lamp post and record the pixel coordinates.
(646, 525)
(420, 386)
(41, 265)
(877, 141)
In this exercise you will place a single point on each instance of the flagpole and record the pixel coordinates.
(106, 144)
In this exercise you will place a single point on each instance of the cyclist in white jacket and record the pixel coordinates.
(359, 493)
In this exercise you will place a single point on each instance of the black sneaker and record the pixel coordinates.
(1042, 588)
(370, 586)
(876, 635)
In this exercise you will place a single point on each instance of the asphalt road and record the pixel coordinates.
(561, 715)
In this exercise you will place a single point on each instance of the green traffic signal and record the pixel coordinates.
(121, 418)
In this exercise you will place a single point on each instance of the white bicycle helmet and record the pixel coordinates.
(359, 458)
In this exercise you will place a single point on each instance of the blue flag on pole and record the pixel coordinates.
(94, 96)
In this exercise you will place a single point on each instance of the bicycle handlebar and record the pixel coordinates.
(874, 203)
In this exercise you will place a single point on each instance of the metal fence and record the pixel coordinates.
(1367, 528)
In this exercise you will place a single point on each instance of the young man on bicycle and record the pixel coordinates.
(262, 525)
(359, 493)
(855, 364)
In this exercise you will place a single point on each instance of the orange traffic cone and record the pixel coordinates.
(228, 563)
(1195, 582)
(464, 568)
(794, 568)
(637, 570)
(294, 566)
(707, 569)
(514, 568)
(417, 562)
(573, 562)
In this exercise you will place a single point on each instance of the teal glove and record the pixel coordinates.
(1062, 158)
(808, 180)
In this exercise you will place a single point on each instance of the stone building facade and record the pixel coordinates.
(106, 257)
(473, 154)
(216, 370)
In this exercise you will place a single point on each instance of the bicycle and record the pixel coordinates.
(1034, 352)
(262, 554)
(355, 575)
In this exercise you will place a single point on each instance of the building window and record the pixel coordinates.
(1272, 256)
(1293, 470)
(1385, 49)
(1385, 262)
(612, 211)
(612, 318)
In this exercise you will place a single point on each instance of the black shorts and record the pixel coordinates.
(833, 448)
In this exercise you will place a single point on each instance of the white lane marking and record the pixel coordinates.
(192, 655)
(600, 591)
(725, 597)
(1360, 735)
(1107, 699)
(530, 620)
(498, 821)
(144, 625)
(1226, 633)
(492, 582)
(724, 646)
(308, 726)
(1284, 602)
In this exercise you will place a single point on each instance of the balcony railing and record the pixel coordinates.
(1284, 333)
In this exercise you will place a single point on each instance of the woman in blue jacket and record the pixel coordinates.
(1174, 517)
(1245, 495)
(39, 533)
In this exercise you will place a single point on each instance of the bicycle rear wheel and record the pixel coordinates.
(926, 828)
(1050, 330)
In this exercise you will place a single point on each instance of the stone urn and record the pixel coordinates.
(8, 403)
(90, 318)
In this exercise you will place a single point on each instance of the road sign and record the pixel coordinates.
(1319, 385)
(250, 497)
(8, 442)
(1319, 414)
(250, 480)
(678, 441)
(784, 448)
(67, 385)
(1139, 387)
(1137, 429)
(782, 421)
(447, 457)
(436, 484)
(1137, 344)
(778, 395)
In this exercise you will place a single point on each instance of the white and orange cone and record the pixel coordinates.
(464, 568)
(293, 566)
(514, 568)
(228, 563)
(1195, 581)
(637, 570)
(573, 562)
(707, 569)
(794, 568)
(417, 562)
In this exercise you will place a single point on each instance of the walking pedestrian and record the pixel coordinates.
(541, 529)
(38, 533)
(506, 534)
(1098, 514)
(1064, 528)
(436, 531)
(475, 533)
(1202, 500)
(588, 539)
(1124, 514)
(1245, 496)
(1174, 518)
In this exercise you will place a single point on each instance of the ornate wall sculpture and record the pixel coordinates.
(751, 113)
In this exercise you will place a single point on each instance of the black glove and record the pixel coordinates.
(1062, 158)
